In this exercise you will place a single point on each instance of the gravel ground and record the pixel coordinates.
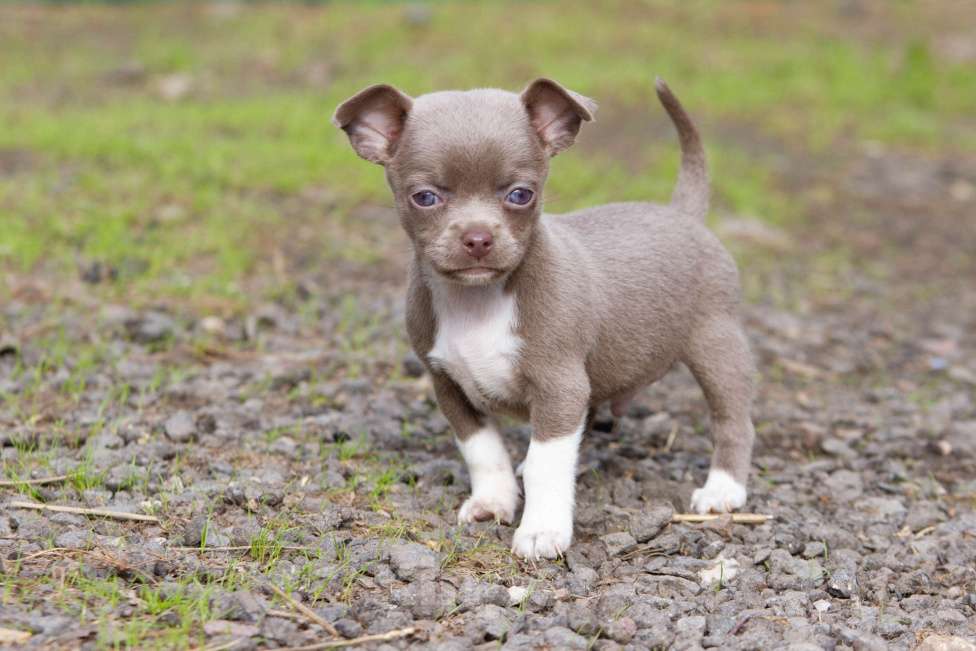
(299, 447)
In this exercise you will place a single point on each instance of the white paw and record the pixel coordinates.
(534, 544)
(720, 494)
(479, 508)
(520, 469)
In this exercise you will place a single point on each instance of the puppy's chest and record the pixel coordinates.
(477, 346)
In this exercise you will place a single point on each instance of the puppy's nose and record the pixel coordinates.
(477, 243)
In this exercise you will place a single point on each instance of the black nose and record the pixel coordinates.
(477, 243)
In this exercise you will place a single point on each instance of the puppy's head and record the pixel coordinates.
(466, 168)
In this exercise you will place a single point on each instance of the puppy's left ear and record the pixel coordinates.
(373, 119)
(556, 113)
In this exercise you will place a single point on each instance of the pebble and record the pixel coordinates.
(560, 637)
(426, 599)
(813, 549)
(939, 642)
(473, 593)
(411, 560)
(180, 427)
(489, 622)
(517, 595)
(150, 328)
(618, 542)
(650, 521)
(621, 630)
(412, 366)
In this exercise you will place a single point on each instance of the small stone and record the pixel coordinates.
(474, 593)
(539, 600)
(75, 539)
(213, 325)
(233, 629)
(937, 642)
(410, 560)
(621, 630)
(180, 427)
(963, 374)
(241, 605)
(174, 87)
(201, 532)
(490, 622)
(837, 448)
(842, 584)
(283, 631)
(207, 424)
(560, 637)
(150, 328)
(96, 272)
(583, 619)
(426, 599)
(693, 626)
(649, 522)
(813, 549)
(863, 641)
(810, 570)
(412, 366)
(720, 573)
(348, 628)
(618, 542)
(517, 594)
(585, 578)
(922, 515)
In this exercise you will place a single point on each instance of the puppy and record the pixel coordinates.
(545, 317)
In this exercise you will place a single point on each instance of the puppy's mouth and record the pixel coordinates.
(472, 275)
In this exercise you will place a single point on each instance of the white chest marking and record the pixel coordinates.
(476, 343)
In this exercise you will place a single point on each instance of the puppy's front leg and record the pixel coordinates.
(494, 491)
(549, 476)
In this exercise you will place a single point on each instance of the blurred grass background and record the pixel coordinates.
(185, 149)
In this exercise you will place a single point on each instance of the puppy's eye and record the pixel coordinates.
(520, 196)
(425, 198)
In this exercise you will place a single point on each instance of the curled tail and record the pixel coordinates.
(691, 193)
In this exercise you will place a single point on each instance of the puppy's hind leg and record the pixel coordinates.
(719, 358)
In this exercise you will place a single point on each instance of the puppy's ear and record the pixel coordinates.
(556, 113)
(373, 119)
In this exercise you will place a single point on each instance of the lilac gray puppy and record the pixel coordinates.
(545, 317)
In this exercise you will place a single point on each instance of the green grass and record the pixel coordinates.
(192, 199)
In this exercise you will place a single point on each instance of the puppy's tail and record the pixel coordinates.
(691, 193)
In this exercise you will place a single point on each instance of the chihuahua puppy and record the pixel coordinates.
(546, 317)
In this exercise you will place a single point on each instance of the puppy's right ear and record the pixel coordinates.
(373, 119)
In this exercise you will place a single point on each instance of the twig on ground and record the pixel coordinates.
(118, 515)
(742, 622)
(237, 548)
(286, 614)
(672, 435)
(13, 483)
(305, 610)
(921, 533)
(380, 637)
(650, 549)
(48, 552)
(737, 518)
(223, 646)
